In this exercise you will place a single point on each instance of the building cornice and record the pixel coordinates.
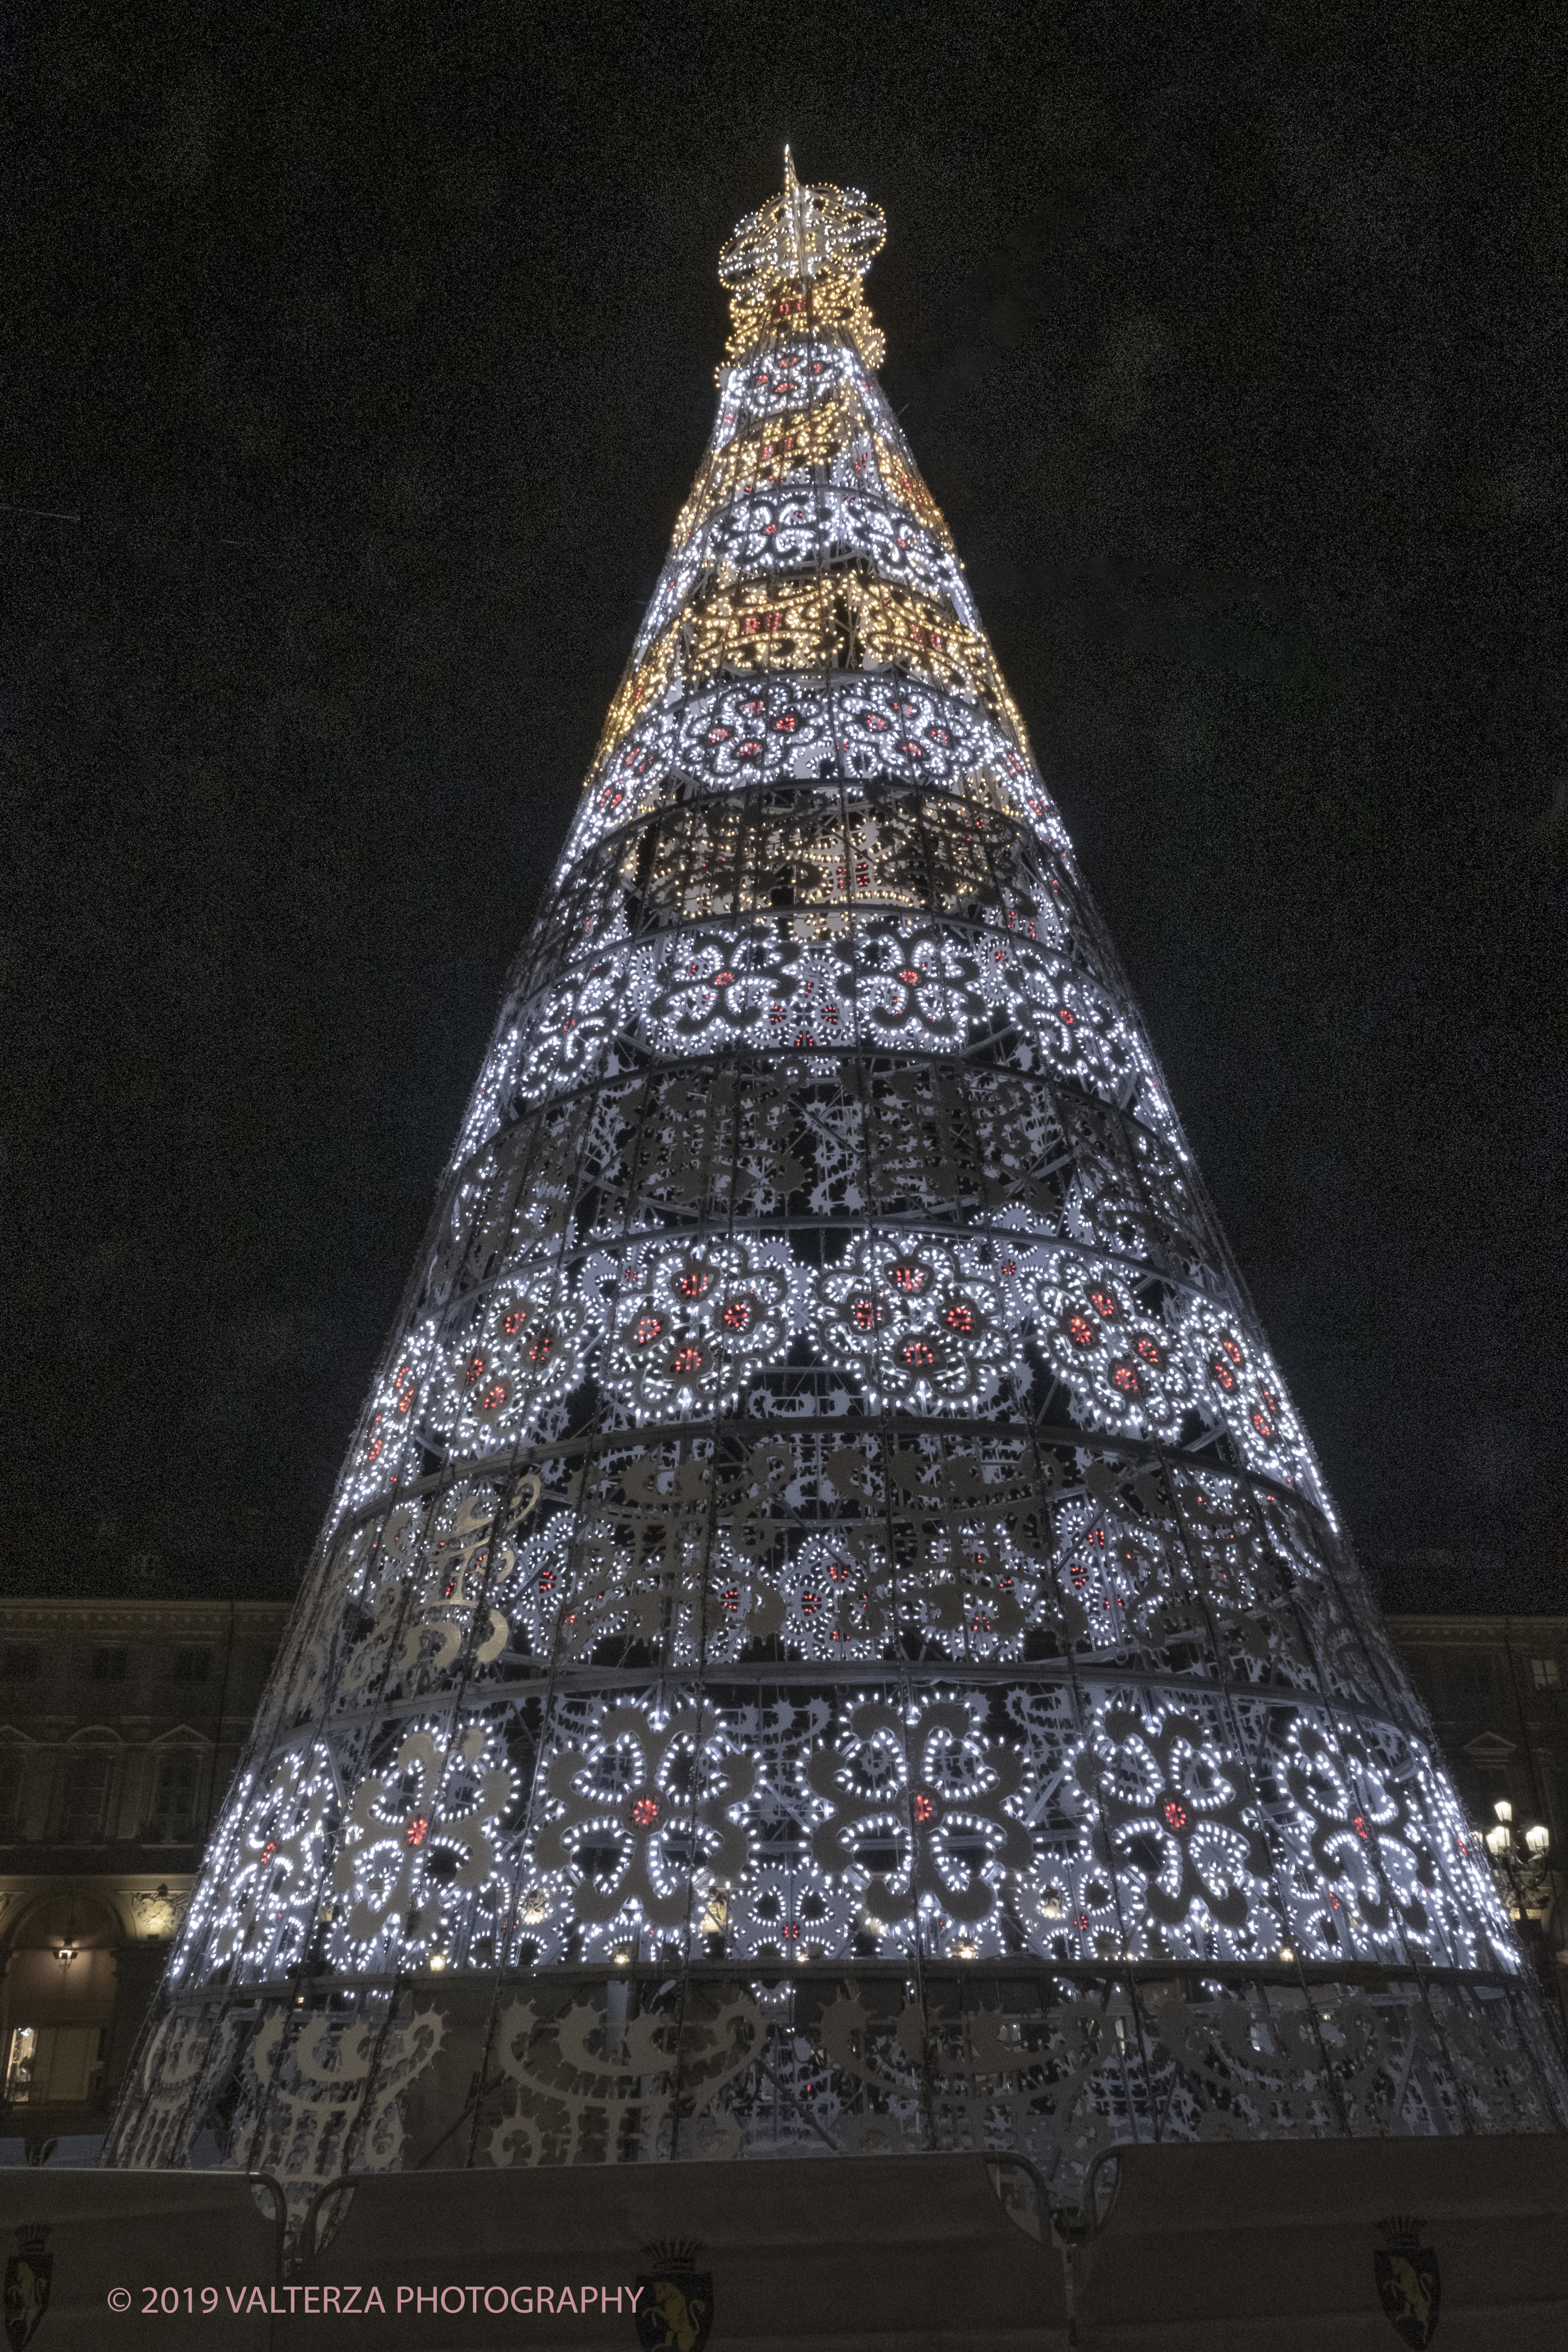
(1444, 1626)
(35, 1615)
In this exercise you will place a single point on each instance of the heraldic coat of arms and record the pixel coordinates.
(675, 2314)
(27, 2275)
(1408, 2283)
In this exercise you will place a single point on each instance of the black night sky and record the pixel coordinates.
(356, 364)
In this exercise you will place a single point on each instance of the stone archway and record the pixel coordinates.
(60, 1988)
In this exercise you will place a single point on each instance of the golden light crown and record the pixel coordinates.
(800, 234)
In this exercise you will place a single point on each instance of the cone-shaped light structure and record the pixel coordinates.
(830, 1634)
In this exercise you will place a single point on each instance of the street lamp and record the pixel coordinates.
(1518, 1865)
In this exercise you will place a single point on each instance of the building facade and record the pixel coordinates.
(120, 1724)
(1496, 1691)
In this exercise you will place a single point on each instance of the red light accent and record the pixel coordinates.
(925, 1808)
(910, 976)
(865, 1314)
(1175, 1813)
(512, 1322)
(494, 1398)
(1081, 1331)
(688, 1359)
(1149, 1352)
(909, 1276)
(960, 1319)
(647, 1328)
(737, 1314)
(418, 1829)
(1128, 1380)
(1359, 1826)
(692, 1284)
(919, 1353)
(541, 1348)
(644, 1811)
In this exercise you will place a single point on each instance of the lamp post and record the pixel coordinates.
(1521, 1864)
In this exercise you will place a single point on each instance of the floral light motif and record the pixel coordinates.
(918, 1811)
(838, 1597)
(914, 1320)
(1122, 1364)
(636, 1807)
(419, 1837)
(528, 1348)
(1235, 1384)
(1178, 1814)
(690, 1325)
(273, 1842)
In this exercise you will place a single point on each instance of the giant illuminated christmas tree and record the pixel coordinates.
(830, 1635)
